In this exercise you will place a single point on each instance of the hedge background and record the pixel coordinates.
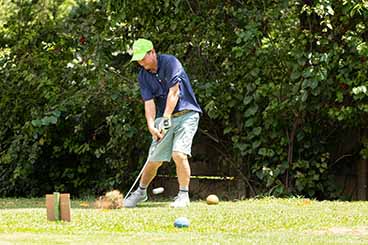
(283, 85)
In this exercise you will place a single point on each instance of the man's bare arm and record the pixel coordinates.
(150, 113)
(172, 100)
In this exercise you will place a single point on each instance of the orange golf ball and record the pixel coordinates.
(212, 199)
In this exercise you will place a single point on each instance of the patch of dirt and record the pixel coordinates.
(361, 231)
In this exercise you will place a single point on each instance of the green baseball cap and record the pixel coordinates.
(140, 48)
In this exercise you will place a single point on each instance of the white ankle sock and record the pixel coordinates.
(142, 188)
(183, 190)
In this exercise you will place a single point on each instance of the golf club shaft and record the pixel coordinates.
(150, 152)
(136, 180)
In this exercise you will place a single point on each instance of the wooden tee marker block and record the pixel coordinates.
(58, 206)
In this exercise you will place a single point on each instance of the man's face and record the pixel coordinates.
(149, 62)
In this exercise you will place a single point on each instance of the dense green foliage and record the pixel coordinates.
(281, 82)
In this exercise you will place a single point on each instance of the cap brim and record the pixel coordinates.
(138, 56)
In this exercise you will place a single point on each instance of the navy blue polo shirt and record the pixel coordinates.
(156, 85)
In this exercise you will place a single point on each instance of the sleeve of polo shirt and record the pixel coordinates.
(146, 91)
(175, 69)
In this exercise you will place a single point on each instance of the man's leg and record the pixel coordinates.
(183, 173)
(183, 138)
(149, 173)
(140, 195)
(182, 169)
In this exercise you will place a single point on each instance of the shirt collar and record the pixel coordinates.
(158, 63)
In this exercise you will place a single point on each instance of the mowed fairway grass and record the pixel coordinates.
(253, 221)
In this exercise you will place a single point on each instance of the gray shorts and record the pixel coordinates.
(178, 138)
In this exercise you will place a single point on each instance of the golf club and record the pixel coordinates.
(140, 174)
(163, 126)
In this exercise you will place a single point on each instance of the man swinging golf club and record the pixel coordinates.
(172, 113)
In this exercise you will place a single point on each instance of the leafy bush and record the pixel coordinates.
(278, 81)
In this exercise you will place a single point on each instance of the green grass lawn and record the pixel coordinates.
(253, 221)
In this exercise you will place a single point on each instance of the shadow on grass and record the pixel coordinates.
(22, 203)
(153, 205)
(29, 203)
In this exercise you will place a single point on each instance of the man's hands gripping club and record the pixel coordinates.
(162, 127)
(164, 124)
